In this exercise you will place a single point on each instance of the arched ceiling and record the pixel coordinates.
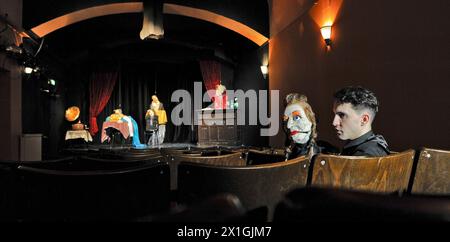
(194, 27)
(136, 7)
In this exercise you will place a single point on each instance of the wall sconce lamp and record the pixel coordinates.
(264, 70)
(326, 34)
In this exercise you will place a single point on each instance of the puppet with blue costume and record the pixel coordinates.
(119, 117)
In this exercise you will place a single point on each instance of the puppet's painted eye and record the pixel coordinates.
(297, 118)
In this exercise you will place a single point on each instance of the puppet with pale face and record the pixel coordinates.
(300, 122)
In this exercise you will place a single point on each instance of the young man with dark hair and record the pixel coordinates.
(355, 109)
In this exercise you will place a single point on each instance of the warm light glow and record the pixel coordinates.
(326, 32)
(215, 18)
(324, 12)
(87, 13)
(264, 70)
(28, 70)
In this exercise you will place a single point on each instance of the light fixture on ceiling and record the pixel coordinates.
(326, 34)
(264, 71)
(152, 27)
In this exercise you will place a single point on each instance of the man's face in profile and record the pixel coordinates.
(347, 121)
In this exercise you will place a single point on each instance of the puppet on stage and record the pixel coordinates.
(151, 126)
(158, 109)
(119, 117)
(220, 98)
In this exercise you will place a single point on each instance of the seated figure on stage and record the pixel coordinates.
(158, 108)
(116, 116)
(151, 125)
(119, 117)
(220, 98)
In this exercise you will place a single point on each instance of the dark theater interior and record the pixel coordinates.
(224, 111)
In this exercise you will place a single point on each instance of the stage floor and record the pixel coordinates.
(94, 147)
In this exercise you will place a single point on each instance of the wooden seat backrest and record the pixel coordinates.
(432, 175)
(118, 194)
(255, 186)
(377, 174)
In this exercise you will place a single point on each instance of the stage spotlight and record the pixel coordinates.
(14, 49)
(52, 82)
(28, 70)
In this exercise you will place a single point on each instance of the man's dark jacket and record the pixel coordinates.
(368, 144)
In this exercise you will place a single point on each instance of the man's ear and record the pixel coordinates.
(365, 118)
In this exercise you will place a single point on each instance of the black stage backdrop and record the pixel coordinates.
(139, 81)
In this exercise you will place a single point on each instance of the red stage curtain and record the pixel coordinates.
(211, 75)
(101, 87)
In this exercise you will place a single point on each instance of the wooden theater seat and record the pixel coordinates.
(170, 151)
(432, 176)
(377, 174)
(255, 157)
(92, 163)
(256, 186)
(229, 159)
(117, 194)
(86, 163)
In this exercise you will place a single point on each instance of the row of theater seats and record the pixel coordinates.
(142, 183)
(418, 172)
(83, 189)
(425, 172)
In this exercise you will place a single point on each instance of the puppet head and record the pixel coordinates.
(299, 118)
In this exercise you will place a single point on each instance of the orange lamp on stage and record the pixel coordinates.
(72, 114)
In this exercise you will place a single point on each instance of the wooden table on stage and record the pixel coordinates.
(219, 133)
(79, 134)
(121, 127)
